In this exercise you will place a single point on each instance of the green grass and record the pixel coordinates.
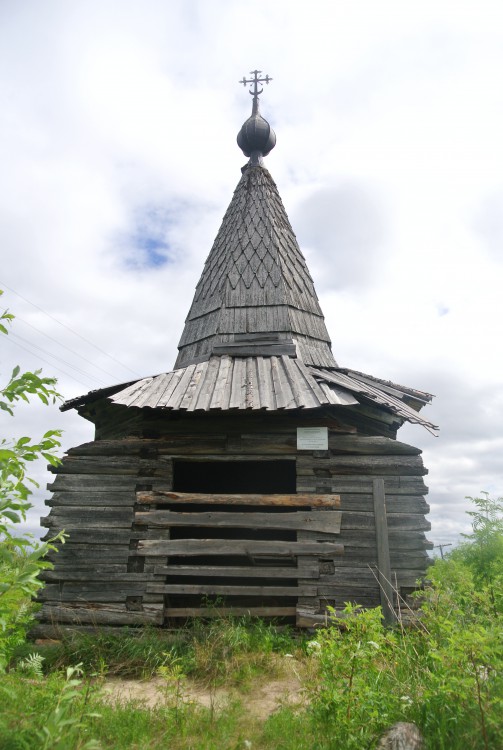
(445, 674)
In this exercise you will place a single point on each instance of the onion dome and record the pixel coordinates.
(256, 137)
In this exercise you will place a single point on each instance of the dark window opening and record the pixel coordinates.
(227, 477)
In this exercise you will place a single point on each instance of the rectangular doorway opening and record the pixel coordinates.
(229, 561)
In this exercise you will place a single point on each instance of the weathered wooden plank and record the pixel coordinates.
(377, 445)
(102, 614)
(222, 590)
(366, 576)
(122, 447)
(100, 572)
(159, 497)
(96, 552)
(394, 503)
(86, 499)
(111, 465)
(383, 553)
(241, 547)
(360, 483)
(396, 521)
(215, 612)
(82, 482)
(96, 535)
(108, 512)
(88, 594)
(329, 521)
(237, 571)
(367, 464)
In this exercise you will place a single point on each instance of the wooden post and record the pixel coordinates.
(383, 557)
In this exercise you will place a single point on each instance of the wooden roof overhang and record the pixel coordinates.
(277, 383)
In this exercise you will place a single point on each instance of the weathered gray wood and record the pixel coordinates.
(88, 593)
(235, 571)
(360, 483)
(329, 522)
(88, 499)
(212, 612)
(159, 497)
(370, 445)
(102, 614)
(213, 588)
(383, 553)
(101, 573)
(242, 547)
(347, 464)
(396, 521)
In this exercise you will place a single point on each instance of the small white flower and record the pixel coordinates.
(406, 699)
(289, 656)
(314, 646)
(374, 644)
(247, 744)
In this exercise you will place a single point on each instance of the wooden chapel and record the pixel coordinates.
(257, 476)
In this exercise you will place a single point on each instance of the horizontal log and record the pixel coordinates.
(369, 445)
(94, 498)
(222, 590)
(237, 571)
(126, 499)
(329, 521)
(101, 573)
(349, 592)
(216, 612)
(101, 614)
(394, 503)
(367, 464)
(159, 497)
(244, 547)
(367, 575)
(94, 535)
(122, 447)
(102, 482)
(99, 554)
(89, 593)
(56, 631)
(396, 521)
(361, 484)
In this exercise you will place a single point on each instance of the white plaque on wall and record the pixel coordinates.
(312, 438)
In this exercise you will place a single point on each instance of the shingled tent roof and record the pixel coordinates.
(255, 295)
(255, 336)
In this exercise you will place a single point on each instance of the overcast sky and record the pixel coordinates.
(118, 149)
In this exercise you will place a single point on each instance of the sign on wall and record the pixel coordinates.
(312, 438)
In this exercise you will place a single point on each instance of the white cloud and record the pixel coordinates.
(119, 118)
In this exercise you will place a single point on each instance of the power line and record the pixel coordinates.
(59, 359)
(69, 329)
(63, 346)
(49, 363)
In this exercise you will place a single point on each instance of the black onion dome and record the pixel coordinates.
(256, 135)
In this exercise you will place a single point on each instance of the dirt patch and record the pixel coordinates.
(260, 702)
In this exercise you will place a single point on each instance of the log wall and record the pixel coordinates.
(125, 562)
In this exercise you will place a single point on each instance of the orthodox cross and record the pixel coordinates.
(255, 81)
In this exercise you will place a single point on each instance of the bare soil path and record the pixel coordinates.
(261, 701)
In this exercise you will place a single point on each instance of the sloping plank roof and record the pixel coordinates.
(255, 281)
(262, 383)
(270, 383)
(390, 395)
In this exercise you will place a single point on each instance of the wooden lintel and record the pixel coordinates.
(165, 497)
